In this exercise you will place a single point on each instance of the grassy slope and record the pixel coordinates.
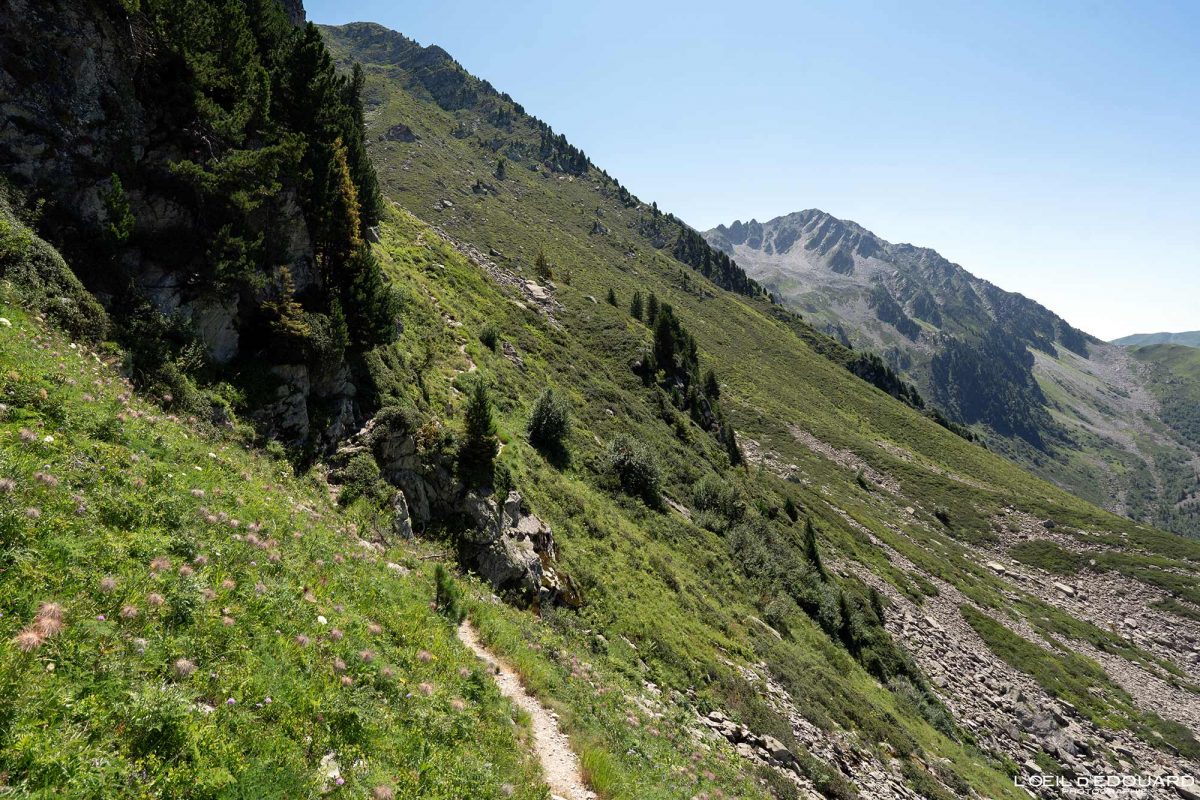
(104, 508)
(665, 584)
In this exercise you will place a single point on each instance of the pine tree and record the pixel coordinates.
(651, 309)
(612, 297)
(664, 340)
(811, 551)
(541, 266)
(729, 439)
(479, 445)
(501, 169)
(712, 390)
(635, 306)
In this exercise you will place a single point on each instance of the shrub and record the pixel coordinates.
(361, 478)
(447, 596)
(489, 334)
(550, 420)
(635, 470)
(713, 494)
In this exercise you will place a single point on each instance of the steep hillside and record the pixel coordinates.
(1188, 339)
(1063, 404)
(901, 611)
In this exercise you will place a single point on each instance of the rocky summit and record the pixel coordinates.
(361, 437)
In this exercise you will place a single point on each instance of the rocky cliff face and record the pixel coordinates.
(89, 94)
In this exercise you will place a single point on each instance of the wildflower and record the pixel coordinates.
(155, 600)
(197, 493)
(338, 558)
(184, 667)
(49, 619)
(230, 701)
(367, 656)
(100, 618)
(267, 700)
(185, 570)
(260, 588)
(302, 640)
(47, 439)
(228, 583)
(208, 593)
(7, 485)
(108, 583)
(336, 635)
(426, 689)
(28, 436)
(46, 479)
(347, 681)
(200, 560)
(382, 793)
(33, 512)
(425, 656)
(160, 563)
(339, 665)
(387, 672)
(274, 557)
(321, 619)
(227, 621)
(129, 612)
(374, 629)
(464, 672)
(28, 640)
(458, 704)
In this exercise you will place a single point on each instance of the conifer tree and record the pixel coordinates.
(479, 445)
(541, 266)
(811, 551)
(635, 306)
(612, 297)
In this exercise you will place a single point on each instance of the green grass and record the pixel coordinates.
(109, 504)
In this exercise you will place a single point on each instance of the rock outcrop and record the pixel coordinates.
(511, 549)
(82, 110)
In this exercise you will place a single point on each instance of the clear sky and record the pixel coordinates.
(1052, 148)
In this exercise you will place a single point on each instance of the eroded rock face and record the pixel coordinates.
(511, 549)
(78, 106)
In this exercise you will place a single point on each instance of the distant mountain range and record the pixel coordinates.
(1072, 408)
(1188, 339)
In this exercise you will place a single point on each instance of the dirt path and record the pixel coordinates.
(559, 762)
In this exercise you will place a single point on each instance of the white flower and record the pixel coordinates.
(321, 619)
(5, 322)
(48, 440)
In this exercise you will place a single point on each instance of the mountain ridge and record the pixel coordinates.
(1062, 402)
(1186, 338)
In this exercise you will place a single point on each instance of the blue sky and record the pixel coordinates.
(1052, 148)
